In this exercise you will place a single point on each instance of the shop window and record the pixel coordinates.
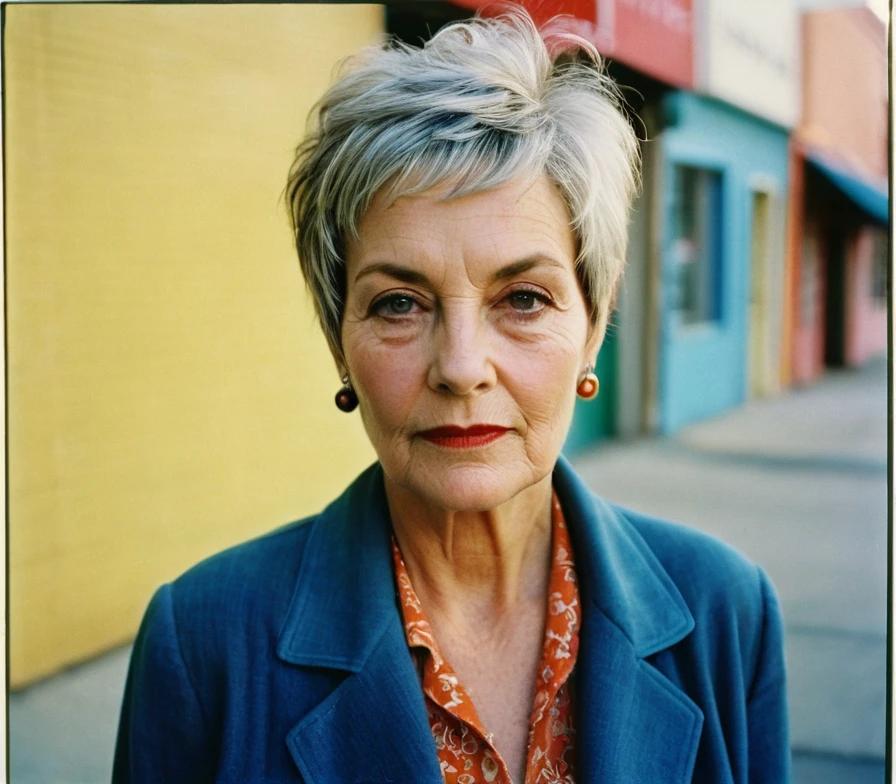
(879, 265)
(696, 244)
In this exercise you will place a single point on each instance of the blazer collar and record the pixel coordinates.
(348, 552)
(345, 594)
(633, 724)
(617, 572)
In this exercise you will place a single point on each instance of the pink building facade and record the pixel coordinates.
(838, 211)
(866, 305)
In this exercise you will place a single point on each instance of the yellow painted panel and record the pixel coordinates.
(170, 392)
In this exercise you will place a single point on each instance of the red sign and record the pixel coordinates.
(655, 37)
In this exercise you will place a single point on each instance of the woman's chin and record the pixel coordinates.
(467, 487)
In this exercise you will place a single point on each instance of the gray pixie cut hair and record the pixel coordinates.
(483, 101)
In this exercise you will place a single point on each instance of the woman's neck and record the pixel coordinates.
(474, 568)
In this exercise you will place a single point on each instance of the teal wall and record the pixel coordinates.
(594, 420)
(703, 367)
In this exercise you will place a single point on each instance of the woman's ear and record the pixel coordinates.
(595, 339)
(339, 362)
(597, 329)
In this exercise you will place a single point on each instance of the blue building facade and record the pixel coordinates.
(718, 164)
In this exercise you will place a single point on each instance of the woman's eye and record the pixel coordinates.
(394, 305)
(527, 301)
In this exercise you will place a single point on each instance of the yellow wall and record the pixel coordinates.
(169, 391)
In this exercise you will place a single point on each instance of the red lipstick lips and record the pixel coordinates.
(464, 437)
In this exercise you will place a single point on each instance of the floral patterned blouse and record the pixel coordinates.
(465, 749)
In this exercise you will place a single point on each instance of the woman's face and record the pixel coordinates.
(465, 332)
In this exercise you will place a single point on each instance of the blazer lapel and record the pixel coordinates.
(633, 724)
(373, 727)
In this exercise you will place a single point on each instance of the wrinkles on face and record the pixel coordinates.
(460, 312)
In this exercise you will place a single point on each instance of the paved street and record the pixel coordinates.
(62, 731)
(797, 482)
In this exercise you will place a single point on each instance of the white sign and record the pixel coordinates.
(748, 54)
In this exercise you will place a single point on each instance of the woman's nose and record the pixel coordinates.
(461, 363)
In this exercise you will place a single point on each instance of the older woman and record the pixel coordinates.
(467, 611)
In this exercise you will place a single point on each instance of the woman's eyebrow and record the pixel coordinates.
(411, 275)
(404, 274)
(524, 265)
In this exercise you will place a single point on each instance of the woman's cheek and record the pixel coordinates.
(546, 366)
(386, 378)
(545, 391)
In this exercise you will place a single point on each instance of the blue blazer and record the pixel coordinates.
(284, 659)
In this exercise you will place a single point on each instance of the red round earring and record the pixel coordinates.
(589, 385)
(346, 399)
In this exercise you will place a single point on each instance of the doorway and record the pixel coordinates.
(759, 305)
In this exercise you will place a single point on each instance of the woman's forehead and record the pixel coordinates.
(519, 220)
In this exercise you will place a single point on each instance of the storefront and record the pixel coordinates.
(725, 179)
(839, 208)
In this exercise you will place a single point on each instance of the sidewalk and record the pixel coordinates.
(797, 483)
(62, 730)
